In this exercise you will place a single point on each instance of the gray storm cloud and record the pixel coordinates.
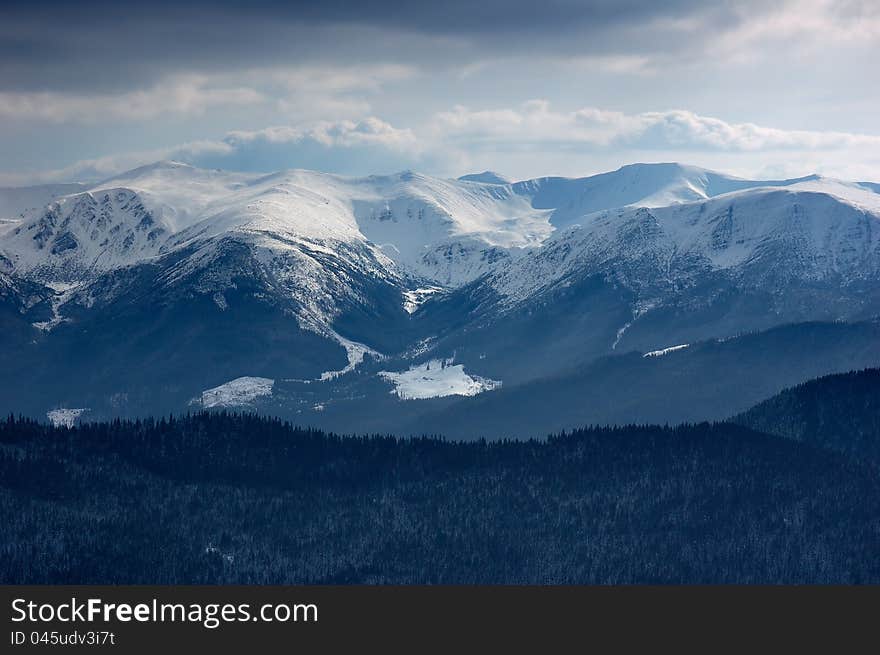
(563, 86)
(111, 45)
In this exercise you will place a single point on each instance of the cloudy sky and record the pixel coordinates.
(525, 88)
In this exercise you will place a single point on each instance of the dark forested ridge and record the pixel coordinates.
(839, 412)
(222, 498)
(707, 381)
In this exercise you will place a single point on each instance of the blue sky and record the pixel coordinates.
(761, 89)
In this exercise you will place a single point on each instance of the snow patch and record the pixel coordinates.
(64, 416)
(665, 351)
(620, 334)
(420, 348)
(414, 299)
(435, 379)
(354, 351)
(237, 392)
(63, 292)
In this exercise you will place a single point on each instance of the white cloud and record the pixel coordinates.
(345, 146)
(803, 26)
(355, 147)
(345, 133)
(528, 140)
(326, 91)
(535, 125)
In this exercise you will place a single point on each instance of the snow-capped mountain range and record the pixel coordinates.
(811, 229)
(433, 228)
(407, 269)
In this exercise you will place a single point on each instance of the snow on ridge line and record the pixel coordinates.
(237, 392)
(665, 351)
(435, 379)
(65, 416)
(441, 230)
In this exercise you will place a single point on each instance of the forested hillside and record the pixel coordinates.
(839, 412)
(217, 498)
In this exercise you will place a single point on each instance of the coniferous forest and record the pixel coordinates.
(237, 498)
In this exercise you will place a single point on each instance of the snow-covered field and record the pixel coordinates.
(437, 378)
(238, 392)
(64, 416)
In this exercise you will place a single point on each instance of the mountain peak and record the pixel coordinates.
(667, 166)
(162, 165)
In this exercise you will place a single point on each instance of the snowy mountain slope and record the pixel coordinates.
(638, 278)
(447, 232)
(170, 280)
(301, 223)
(14, 201)
(812, 230)
(79, 236)
(180, 193)
(304, 235)
(642, 185)
(21, 298)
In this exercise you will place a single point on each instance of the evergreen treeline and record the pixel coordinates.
(838, 412)
(228, 498)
